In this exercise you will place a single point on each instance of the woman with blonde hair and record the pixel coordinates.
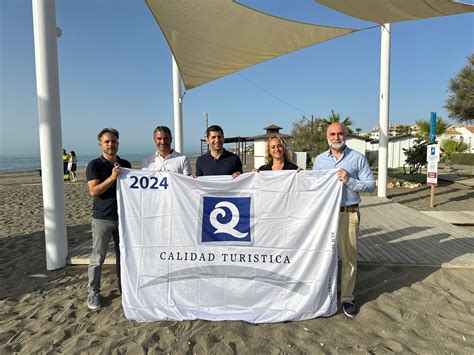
(277, 156)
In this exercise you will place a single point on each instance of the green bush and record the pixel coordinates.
(415, 157)
(462, 158)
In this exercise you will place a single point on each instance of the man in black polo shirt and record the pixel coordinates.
(102, 174)
(218, 161)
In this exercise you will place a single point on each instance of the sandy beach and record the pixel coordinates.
(403, 309)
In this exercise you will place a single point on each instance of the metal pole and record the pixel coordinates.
(49, 113)
(384, 109)
(206, 123)
(206, 126)
(178, 110)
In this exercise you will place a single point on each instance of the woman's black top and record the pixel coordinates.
(286, 166)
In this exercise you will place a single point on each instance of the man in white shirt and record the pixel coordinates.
(165, 158)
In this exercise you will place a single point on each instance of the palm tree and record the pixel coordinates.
(449, 148)
(336, 117)
(424, 128)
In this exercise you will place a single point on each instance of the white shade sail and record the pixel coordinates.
(390, 11)
(214, 38)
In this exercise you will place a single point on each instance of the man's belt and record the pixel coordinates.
(351, 208)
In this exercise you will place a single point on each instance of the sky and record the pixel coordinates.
(115, 71)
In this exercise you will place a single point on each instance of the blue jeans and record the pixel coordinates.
(102, 231)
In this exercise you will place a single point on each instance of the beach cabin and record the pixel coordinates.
(396, 155)
(357, 143)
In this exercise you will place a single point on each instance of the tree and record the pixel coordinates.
(358, 130)
(336, 117)
(424, 128)
(460, 104)
(309, 136)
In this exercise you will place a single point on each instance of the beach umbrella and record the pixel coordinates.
(214, 38)
(390, 11)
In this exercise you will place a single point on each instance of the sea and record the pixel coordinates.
(10, 164)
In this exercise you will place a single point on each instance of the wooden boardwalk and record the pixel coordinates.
(459, 218)
(390, 234)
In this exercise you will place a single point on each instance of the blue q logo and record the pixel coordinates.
(226, 219)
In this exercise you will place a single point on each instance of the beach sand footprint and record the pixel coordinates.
(392, 345)
(151, 341)
(221, 349)
(408, 315)
(180, 328)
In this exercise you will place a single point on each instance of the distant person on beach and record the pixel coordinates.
(72, 166)
(218, 161)
(355, 174)
(277, 156)
(66, 157)
(165, 158)
(102, 174)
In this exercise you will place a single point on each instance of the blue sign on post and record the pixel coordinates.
(433, 127)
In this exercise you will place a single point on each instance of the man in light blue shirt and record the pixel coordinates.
(355, 174)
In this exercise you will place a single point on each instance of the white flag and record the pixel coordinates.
(259, 248)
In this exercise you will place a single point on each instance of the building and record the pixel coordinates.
(396, 155)
(459, 133)
(374, 132)
(393, 130)
(357, 143)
